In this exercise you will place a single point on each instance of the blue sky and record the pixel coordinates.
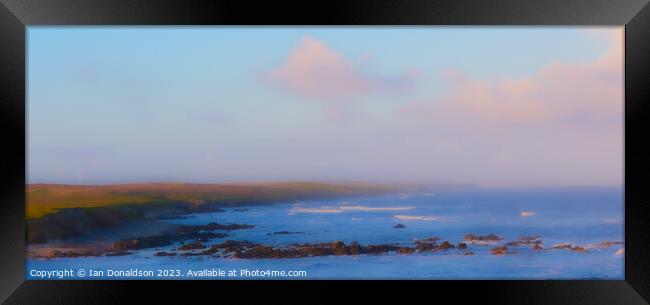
(214, 104)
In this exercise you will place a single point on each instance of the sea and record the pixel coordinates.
(580, 216)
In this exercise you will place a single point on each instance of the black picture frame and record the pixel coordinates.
(16, 15)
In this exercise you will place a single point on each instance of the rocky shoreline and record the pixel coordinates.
(58, 212)
(251, 250)
(195, 241)
(198, 233)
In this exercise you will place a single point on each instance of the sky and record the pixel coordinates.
(487, 106)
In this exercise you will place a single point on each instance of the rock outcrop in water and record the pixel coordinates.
(499, 251)
(571, 247)
(339, 248)
(213, 226)
(283, 233)
(161, 240)
(197, 233)
(526, 241)
(250, 250)
(606, 244)
(482, 239)
(431, 244)
(200, 235)
(196, 245)
(323, 249)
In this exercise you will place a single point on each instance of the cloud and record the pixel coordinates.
(562, 125)
(314, 70)
(558, 91)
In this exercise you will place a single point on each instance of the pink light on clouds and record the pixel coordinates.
(558, 90)
(314, 70)
(562, 125)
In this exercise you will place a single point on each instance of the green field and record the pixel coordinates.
(44, 199)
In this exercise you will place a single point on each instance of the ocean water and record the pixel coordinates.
(584, 217)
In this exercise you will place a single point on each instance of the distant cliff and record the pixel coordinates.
(57, 212)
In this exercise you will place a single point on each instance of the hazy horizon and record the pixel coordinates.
(480, 106)
(433, 184)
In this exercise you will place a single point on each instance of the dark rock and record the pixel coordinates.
(212, 227)
(283, 233)
(525, 241)
(445, 245)
(380, 249)
(258, 251)
(472, 238)
(210, 251)
(232, 246)
(607, 244)
(162, 240)
(427, 244)
(424, 246)
(196, 245)
(70, 254)
(537, 247)
(355, 249)
(399, 226)
(529, 239)
(579, 249)
(499, 251)
(339, 248)
(571, 247)
(78, 222)
(405, 250)
(461, 246)
(249, 250)
(315, 250)
(163, 253)
(562, 246)
(192, 254)
(118, 253)
(127, 244)
(429, 240)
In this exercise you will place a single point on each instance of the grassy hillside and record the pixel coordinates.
(44, 199)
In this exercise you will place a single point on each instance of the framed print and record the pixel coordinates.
(418, 146)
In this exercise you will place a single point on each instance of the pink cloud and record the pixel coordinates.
(562, 125)
(557, 91)
(315, 70)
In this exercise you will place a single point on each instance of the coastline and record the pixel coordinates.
(75, 210)
(440, 226)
